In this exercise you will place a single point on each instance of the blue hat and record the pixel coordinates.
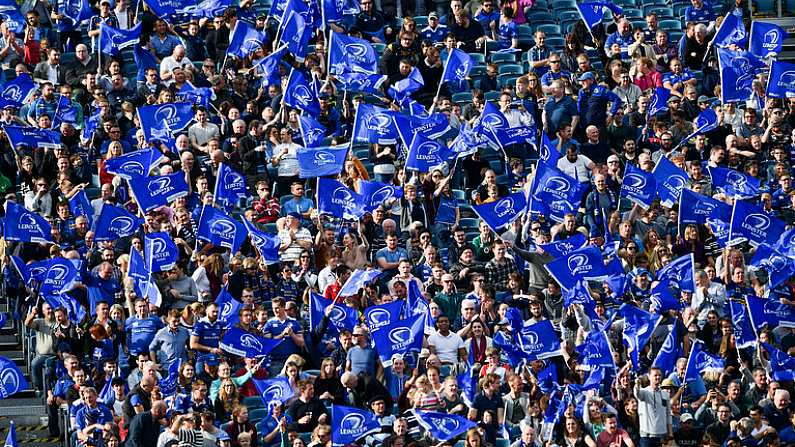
(223, 436)
(587, 75)
(295, 215)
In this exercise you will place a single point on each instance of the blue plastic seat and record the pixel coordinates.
(505, 80)
(510, 69)
(549, 28)
(491, 96)
(421, 21)
(253, 402)
(670, 25)
(478, 58)
(633, 13)
(257, 415)
(462, 97)
(566, 16)
(556, 42)
(503, 58)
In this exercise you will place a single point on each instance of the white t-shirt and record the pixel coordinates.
(447, 347)
(577, 170)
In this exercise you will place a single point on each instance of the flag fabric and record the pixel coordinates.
(228, 308)
(217, 228)
(737, 69)
(744, 334)
(351, 54)
(547, 152)
(426, 155)
(786, 243)
(700, 361)
(21, 225)
(695, 208)
(162, 122)
(238, 342)
(335, 10)
(92, 124)
(671, 180)
(595, 352)
(381, 315)
(107, 395)
(153, 192)
(115, 222)
(269, 66)
(12, 16)
(766, 39)
(300, 95)
(555, 192)
(17, 92)
(198, 95)
(681, 271)
(457, 66)
(399, 338)
(405, 87)
(578, 294)
(751, 223)
(350, 424)
(362, 82)
(138, 271)
(639, 186)
(13, 381)
(539, 341)
(160, 252)
(638, 328)
(32, 138)
(75, 311)
(466, 385)
(374, 124)
(266, 244)
(661, 298)
(144, 59)
(558, 249)
(494, 126)
(357, 280)
(230, 186)
(781, 79)
(61, 276)
(134, 164)
(779, 266)
(295, 34)
(443, 426)
(338, 200)
(321, 161)
(245, 39)
(553, 413)
(376, 194)
(417, 306)
(79, 205)
(170, 383)
(65, 112)
(467, 142)
(277, 389)
(770, 312)
(706, 121)
(431, 127)
(585, 263)
(669, 352)
(659, 102)
(734, 184)
(113, 40)
(730, 32)
(312, 132)
(341, 317)
(593, 13)
(782, 365)
(501, 212)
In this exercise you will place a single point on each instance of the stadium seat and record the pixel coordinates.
(558, 5)
(379, 47)
(477, 71)
(462, 97)
(661, 11)
(556, 43)
(468, 223)
(633, 13)
(541, 17)
(670, 25)
(510, 69)
(460, 195)
(422, 21)
(524, 30)
(492, 96)
(507, 79)
(253, 402)
(566, 16)
(549, 28)
(257, 415)
(503, 57)
(502, 442)
(478, 58)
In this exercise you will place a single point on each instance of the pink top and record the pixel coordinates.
(652, 79)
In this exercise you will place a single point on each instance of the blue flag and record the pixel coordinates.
(593, 13)
(501, 212)
(700, 361)
(595, 352)
(425, 155)
(80, 206)
(228, 308)
(770, 312)
(277, 389)
(335, 10)
(21, 225)
(312, 132)
(153, 192)
(734, 184)
(405, 87)
(138, 271)
(738, 69)
(362, 82)
(639, 186)
(786, 243)
(269, 66)
(113, 40)
(443, 426)
(338, 200)
(160, 252)
(134, 164)
(659, 102)
(351, 54)
(65, 112)
(350, 424)
(661, 298)
(230, 186)
(706, 121)
(671, 180)
(12, 17)
(539, 341)
(217, 228)
(561, 248)
(321, 161)
(695, 208)
(75, 311)
(91, 125)
(457, 66)
(400, 338)
(198, 95)
(555, 192)
(170, 383)
(553, 413)
(669, 352)
(166, 8)
(782, 365)
(300, 95)
(115, 222)
(638, 328)
(681, 271)
(162, 122)
(494, 125)
(295, 34)
(467, 385)
(744, 334)
(107, 395)
(547, 152)
(342, 316)
(467, 142)
(781, 80)
(266, 244)
(244, 40)
(751, 223)
(376, 194)
(417, 306)
(382, 315)
(766, 38)
(144, 60)
(17, 92)
(585, 263)
(61, 276)
(238, 342)
(33, 138)
(374, 124)
(779, 266)
(731, 31)
(357, 280)
(578, 294)
(431, 127)
(13, 381)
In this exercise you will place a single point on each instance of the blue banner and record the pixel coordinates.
(744, 334)
(341, 317)
(300, 95)
(115, 222)
(21, 225)
(374, 124)
(61, 276)
(269, 66)
(426, 155)
(357, 280)
(160, 252)
(547, 152)
(467, 142)
(113, 40)
(278, 389)
(770, 312)
(351, 54)
(700, 361)
(144, 59)
(134, 164)
(639, 186)
(416, 305)
(312, 132)
(706, 121)
(766, 38)
(595, 352)
(376, 194)
(350, 424)
(230, 186)
(585, 263)
(779, 266)
(782, 365)
(681, 271)
(382, 315)
(671, 180)
(228, 308)
(32, 138)
(245, 39)
(431, 127)
(217, 228)
(578, 294)
(659, 102)
(74, 12)
(362, 82)
(65, 112)
(295, 33)
(405, 87)
(737, 69)
(781, 80)
(13, 381)
(555, 192)
(12, 17)
(399, 338)
(638, 328)
(457, 66)
(153, 192)
(138, 271)
(163, 121)
(238, 342)
(338, 200)
(751, 223)
(561, 248)
(17, 92)
(443, 426)
(198, 95)
(695, 208)
(467, 385)
(539, 341)
(335, 10)
(79, 205)
(786, 243)
(266, 244)
(730, 32)
(321, 161)
(593, 13)
(662, 300)
(501, 212)
(669, 353)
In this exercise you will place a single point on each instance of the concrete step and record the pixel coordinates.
(9, 341)
(31, 433)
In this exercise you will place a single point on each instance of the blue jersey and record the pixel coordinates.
(623, 41)
(676, 78)
(548, 77)
(506, 32)
(700, 15)
(274, 327)
(141, 332)
(209, 334)
(434, 35)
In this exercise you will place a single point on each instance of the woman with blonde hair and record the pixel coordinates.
(327, 385)
(114, 150)
(209, 277)
(191, 314)
(228, 399)
(423, 396)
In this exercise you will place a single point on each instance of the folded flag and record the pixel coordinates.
(596, 352)
(558, 249)
(74, 13)
(269, 66)
(170, 383)
(217, 228)
(300, 95)
(700, 361)
(351, 54)
(362, 82)
(781, 80)
(162, 122)
(198, 95)
(321, 161)
(405, 87)
(134, 164)
(730, 32)
(295, 33)
(669, 352)
(230, 186)
(79, 205)
(154, 192)
(443, 426)
(357, 280)
(350, 424)
(245, 39)
(744, 334)
(547, 152)
(662, 300)
(751, 223)
(786, 243)
(417, 306)
(639, 186)
(138, 271)
(12, 381)
(431, 127)
(228, 309)
(312, 132)
(457, 66)
(681, 271)
(638, 328)
(671, 180)
(766, 39)
(115, 222)
(266, 244)
(278, 389)
(113, 40)
(341, 318)
(21, 225)
(238, 342)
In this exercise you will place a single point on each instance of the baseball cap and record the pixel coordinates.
(295, 215)
(433, 14)
(586, 75)
(612, 158)
(703, 98)
(674, 99)
(687, 417)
